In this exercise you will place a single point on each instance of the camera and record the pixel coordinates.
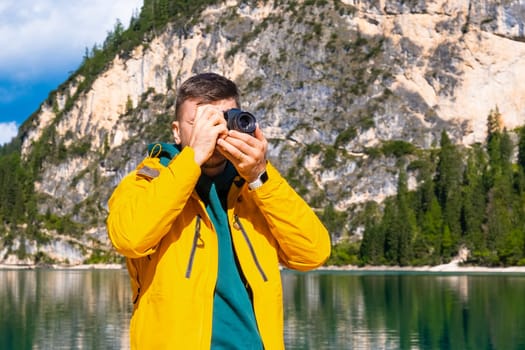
(240, 120)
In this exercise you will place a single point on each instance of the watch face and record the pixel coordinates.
(264, 177)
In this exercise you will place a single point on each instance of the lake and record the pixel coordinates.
(90, 309)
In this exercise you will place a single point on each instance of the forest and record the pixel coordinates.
(471, 198)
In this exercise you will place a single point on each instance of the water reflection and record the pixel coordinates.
(50, 309)
(71, 309)
(403, 311)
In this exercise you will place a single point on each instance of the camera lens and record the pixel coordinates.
(240, 120)
(245, 122)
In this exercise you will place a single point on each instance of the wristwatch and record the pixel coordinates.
(263, 177)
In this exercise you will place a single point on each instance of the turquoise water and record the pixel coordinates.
(76, 309)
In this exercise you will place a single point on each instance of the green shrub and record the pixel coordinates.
(397, 148)
(344, 253)
(330, 158)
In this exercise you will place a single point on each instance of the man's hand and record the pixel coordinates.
(247, 153)
(208, 126)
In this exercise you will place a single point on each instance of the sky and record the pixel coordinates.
(42, 42)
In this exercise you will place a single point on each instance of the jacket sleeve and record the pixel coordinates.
(304, 242)
(147, 201)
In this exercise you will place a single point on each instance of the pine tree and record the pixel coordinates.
(502, 207)
(16, 189)
(520, 173)
(399, 225)
(519, 185)
(390, 229)
(447, 243)
(372, 249)
(494, 147)
(474, 201)
(494, 122)
(427, 242)
(406, 219)
(521, 148)
(432, 226)
(448, 188)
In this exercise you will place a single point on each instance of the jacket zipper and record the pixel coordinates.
(254, 256)
(196, 237)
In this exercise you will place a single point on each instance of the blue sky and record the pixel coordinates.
(42, 42)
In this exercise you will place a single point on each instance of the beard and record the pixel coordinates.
(215, 161)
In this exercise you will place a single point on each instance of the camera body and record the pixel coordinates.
(237, 119)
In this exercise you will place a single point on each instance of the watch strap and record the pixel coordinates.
(263, 177)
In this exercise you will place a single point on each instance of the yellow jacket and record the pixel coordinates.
(158, 222)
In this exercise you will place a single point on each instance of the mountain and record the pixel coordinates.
(331, 83)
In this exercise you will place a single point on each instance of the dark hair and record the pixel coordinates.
(207, 87)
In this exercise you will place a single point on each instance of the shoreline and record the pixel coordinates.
(62, 267)
(452, 267)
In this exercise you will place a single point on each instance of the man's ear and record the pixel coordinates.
(175, 128)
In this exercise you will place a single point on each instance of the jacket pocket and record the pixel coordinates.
(194, 245)
(250, 246)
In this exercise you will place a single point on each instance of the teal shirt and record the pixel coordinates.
(234, 325)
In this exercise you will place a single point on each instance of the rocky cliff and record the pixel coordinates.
(328, 81)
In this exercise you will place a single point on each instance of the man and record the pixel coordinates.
(204, 225)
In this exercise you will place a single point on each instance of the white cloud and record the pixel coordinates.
(7, 132)
(41, 36)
